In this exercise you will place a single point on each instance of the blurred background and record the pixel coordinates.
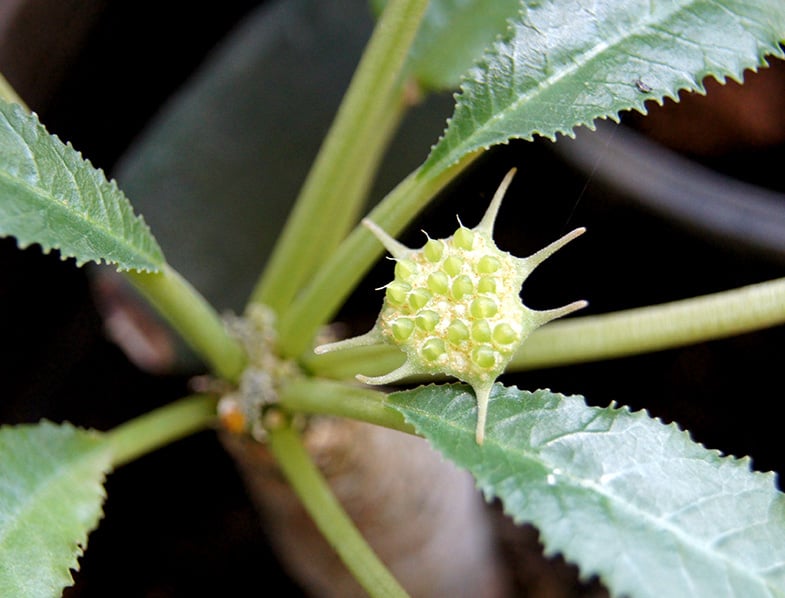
(209, 117)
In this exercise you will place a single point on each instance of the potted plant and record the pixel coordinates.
(587, 477)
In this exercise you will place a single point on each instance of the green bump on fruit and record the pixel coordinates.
(464, 238)
(483, 307)
(427, 320)
(488, 264)
(457, 332)
(461, 287)
(419, 298)
(433, 250)
(484, 356)
(487, 284)
(481, 331)
(454, 307)
(504, 334)
(397, 291)
(402, 329)
(452, 265)
(439, 283)
(405, 269)
(433, 348)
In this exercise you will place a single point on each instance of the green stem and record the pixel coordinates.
(160, 427)
(314, 396)
(337, 185)
(656, 327)
(371, 360)
(330, 286)
(593, 338)
(181, 305)
(329, 516)
(193, 318)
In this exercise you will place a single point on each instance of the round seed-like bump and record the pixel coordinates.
(488, 264)
(464, 238)
(402, 329)
(487, 284)
(418, 298)
(396, 292)
(483, 307)
(432, 349)
(439, 283)
(457, 332)
(481, 331)
(405, 269)
(427, 320)
(504, 334)
(484, 356)
(433, 250)
(452, 265)
(461, 287)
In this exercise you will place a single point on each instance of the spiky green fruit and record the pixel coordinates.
(454, 306)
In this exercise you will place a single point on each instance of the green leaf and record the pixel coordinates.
(567, 63)
(51, 196)
(453, 35)
(619, 493)
(51, 492)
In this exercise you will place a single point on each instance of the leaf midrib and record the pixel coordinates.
(61, 472)
(623, 505)
(48, 200)
(581, 60)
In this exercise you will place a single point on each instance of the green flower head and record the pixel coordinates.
(454, 306)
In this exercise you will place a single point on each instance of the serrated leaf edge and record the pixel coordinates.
(102, 179)
(549, 545)
(697, 86)
(79, 544)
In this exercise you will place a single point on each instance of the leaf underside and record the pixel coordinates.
(620, 494)
(564, 64)
(51, 196)
(453, 33)
(51, 492)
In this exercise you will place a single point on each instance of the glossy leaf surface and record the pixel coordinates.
(618, 493)
(51, 492)
(565, 64)
(51, 196)
(453, 35)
